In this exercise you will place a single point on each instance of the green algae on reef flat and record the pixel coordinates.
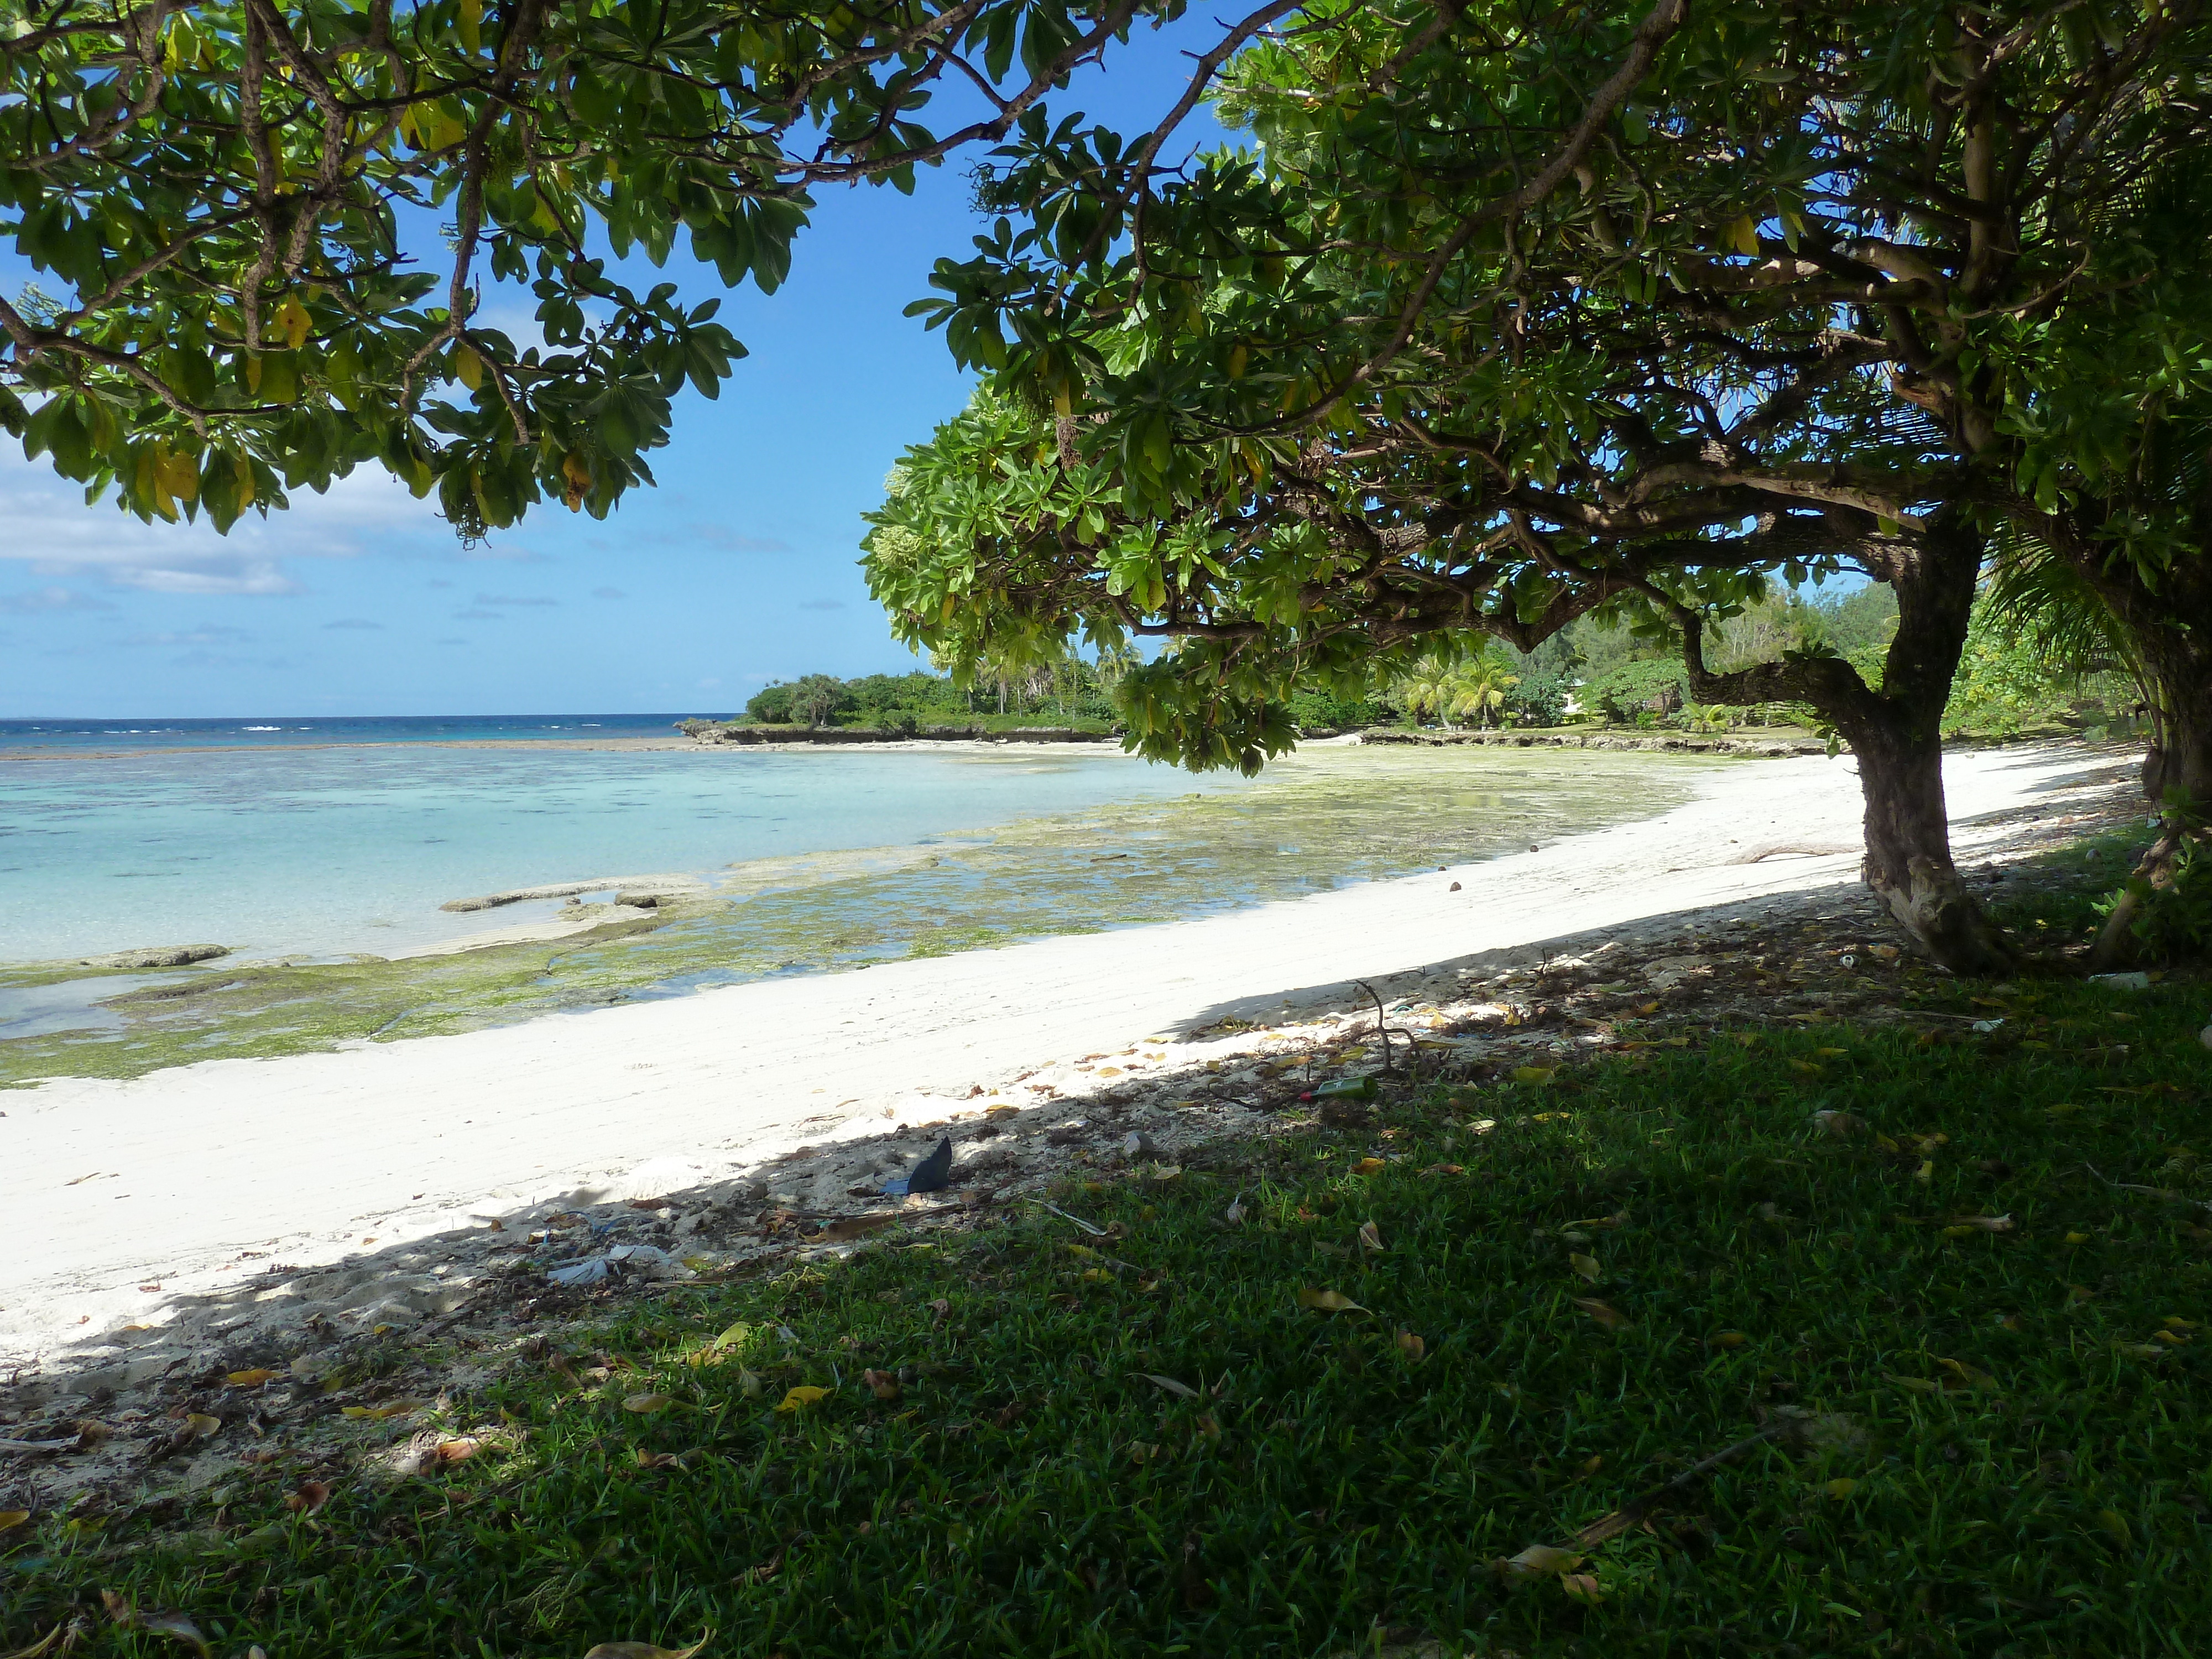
(1322, 818)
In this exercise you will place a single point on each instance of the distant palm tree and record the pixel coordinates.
(1479, 688)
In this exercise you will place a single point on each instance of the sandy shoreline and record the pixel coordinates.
(172, 1180)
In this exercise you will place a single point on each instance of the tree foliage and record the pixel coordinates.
(228, 195)
(1527, 314)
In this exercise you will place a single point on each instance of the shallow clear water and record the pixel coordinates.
(323, 851)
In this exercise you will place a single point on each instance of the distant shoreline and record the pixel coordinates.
(846, 739)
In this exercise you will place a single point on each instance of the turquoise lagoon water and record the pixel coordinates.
(278, 844)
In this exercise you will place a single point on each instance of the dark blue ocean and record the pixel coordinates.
(277, 731)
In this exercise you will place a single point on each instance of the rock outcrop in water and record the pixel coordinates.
(169, 956)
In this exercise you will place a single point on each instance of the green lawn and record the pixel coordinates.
(1978, 1442)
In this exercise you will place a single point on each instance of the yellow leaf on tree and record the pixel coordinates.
(468, 368)
(800, 1399)
(293, 322)
(1328, 1302)
(1741, 235)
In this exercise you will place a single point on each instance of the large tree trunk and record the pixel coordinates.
(1896, 735)
(2169, 629)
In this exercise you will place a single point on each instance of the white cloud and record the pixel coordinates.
(54, 531)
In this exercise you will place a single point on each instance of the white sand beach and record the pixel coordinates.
(170, 1181)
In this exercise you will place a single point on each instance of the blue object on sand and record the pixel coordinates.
(929, 1176)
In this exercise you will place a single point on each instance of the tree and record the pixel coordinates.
(227, 191)
(1520, 323)
(818, 699)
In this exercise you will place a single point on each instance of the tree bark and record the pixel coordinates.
(2169, 626)
(1896, 736)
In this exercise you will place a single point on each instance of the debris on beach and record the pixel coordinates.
(933, 1173)
(623, 1262)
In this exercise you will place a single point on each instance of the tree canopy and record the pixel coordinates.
(1522, 314)
(228, 195)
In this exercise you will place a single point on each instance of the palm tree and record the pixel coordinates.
(1479, 688)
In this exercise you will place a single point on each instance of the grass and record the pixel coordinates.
(2009, 1453)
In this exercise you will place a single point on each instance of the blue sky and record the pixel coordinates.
(738, 569)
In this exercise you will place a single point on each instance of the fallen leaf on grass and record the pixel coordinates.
(1330, 1301)
(1607, 1318)
(1412, 1345)
(646, 1650)
(2141, 1350)
(1181, 1390)
(644, 1403)
(1586, 1266)
(1370, 1166)
(252, 1379)
(1842, 1488)
(158, 1623)
(457, 1449)
(1582, 1586)
(2077, 1238)
(653, 1460)
(202, 1424)
(1987, 1224)
(1534, 1076)
(1371, 1236)
(884, 1385)
(737, 1334)
(1966, 1375)
(378, 1414)
(311, 1496)
(1539, 1561)
(1730, 1339)
(39, 1649)
(800, 1398)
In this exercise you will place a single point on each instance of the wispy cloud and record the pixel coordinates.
(452, 641)
(609, 594)
(356, 624)
(41, 601)
(511, 599)
(227, 659)
(54, 533)
(478, 613)
(200, 636)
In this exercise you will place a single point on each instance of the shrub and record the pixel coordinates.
(771, 705)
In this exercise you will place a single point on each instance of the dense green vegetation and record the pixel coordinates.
(1959, 1368)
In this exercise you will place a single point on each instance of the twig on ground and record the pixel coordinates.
(1382, 1031)
(2166, 1193)
(1096, 1232)
(1637, 1509)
